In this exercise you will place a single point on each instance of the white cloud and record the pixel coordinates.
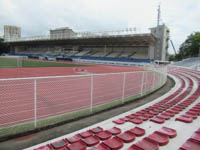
(36, 17)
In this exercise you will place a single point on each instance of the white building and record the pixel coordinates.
(62, 33)
(12, 32)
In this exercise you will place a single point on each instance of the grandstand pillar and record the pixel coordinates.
(35, 103)
(105, 50)
(12, 49)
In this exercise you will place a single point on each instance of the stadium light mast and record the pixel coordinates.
(158, 17)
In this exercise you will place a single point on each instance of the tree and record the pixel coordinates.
(191, 46)
(171, 57)
(4, 47)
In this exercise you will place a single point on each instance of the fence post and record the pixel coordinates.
(160, 79)
(154, 76)
(35, 103)
(124, 85)
(145, 81)
(91, 93)
(142, 83)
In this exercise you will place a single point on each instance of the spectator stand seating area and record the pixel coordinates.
(88, 55)
(169, 122)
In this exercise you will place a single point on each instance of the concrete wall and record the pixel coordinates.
(162, 34)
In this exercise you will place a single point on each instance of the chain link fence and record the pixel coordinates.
(27, 103)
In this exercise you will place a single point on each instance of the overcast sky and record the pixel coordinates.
(37, 17)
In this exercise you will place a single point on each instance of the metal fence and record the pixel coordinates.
(25, 100)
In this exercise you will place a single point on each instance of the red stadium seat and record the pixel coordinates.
(184, 119)
(77, 146)
(104, 135)
(134, 147)
(114, 143)
(146, 144)
(74, 139)
(190, 145)
(190, 116)
(149, 115)
(59, 144)
(127, 137)
(168, 131)
(136, 121)
(100, 147)
(85, 134)
(137, 131)
(114, 131)
(157, 120)
(91, 140)
(119, 121)
(160, 138)
(96, 130)
(196, 136)
(163, 117)
(144, 118)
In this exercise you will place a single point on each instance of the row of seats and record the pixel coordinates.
(113, 139)
(89, 58)
(154, 140)
(98, 139)
(193, 143)
(158, 112)
(166, 109)
(192, 113)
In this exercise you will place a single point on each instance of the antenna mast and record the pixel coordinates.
(158, 18)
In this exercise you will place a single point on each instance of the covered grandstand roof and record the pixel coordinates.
(119, 40)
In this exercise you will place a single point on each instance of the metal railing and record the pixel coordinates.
(30, 100)
(78, 36)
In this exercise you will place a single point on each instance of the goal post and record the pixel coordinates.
(12, 61)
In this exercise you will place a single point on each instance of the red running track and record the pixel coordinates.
(57, 96)
(60, 71)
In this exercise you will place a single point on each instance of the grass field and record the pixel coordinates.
(14, 63)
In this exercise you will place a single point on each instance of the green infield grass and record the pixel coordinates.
(18, 63)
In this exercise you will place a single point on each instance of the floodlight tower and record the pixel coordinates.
(158, 17)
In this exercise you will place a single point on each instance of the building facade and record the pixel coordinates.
(12, 32)
(162, 34)
(62, 33)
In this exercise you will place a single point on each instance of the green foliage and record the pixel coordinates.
(171, 58)
(4, 48)
(190, 48)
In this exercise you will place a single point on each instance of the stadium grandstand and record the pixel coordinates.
(65, 43)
